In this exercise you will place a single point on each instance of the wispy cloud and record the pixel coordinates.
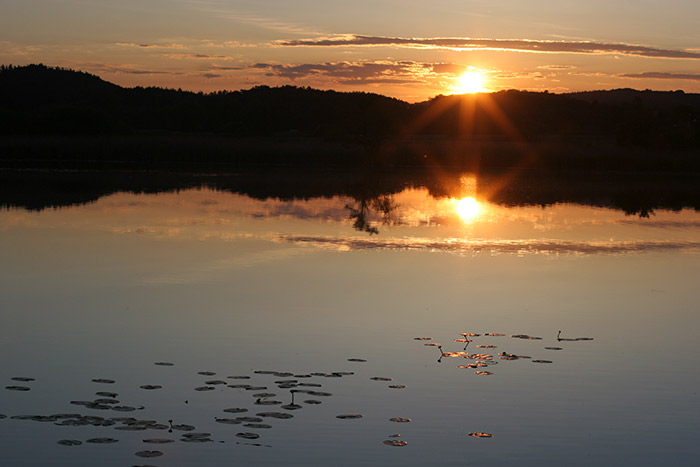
(661, 75)
(151, 46)
(512, 45)
(458, 246)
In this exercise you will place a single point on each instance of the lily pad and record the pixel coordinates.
(158, 441)
(70, 442)
(25, 379)
(164, 364)
(102, 440)
(103, 381)
(151, 387)
(481, 435)
(394, 442)
(399, 420)
(235, 410)
(248, 435)
(348, 416)
(17, 388)
(149, 453)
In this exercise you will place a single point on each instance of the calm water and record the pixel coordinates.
(224, 283)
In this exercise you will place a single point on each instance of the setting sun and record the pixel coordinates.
(470, 82)
(467, 208)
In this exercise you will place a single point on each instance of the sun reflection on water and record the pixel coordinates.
(468, 209)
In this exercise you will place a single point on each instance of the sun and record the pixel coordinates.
(470, 82)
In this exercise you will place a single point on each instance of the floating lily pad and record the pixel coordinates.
(310, 385)
(235, 410)
(394, 442)
(319, 393)
(525, 336)
(302, 376)
(541, 361)
(206, 373)
(106, 401)
(380, 378)
(103, 381)
(432, 344)
(348, 416)
(256, 388)
(215, 382)
(257, 425)
(17, 388)
(238, 377)
(204, 388)
(164, 364)
(182, 427)
(265, 372)
(25, 379)
(2, 416)
(469, 334)
(312, 402)
(397, 386)
(151, 387)
(111, 395)
(483, 373)
(149, 453)
(264, 394)
(248, 435)
(70, 442)
(158, 441)
(291, 407)
(485, 346)
(228, 421)
(239, 386)
(494, 334)
(399, 420)
(123, 408)
(283, 374)
(196, 435)
(422, 338)
(267, 402)
(280, 415)
(356, 360)
(481, 435)
(395, 436)
(554, 348)
(102, 440)
(286, 381)
(249, 419)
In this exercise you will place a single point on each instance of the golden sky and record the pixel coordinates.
(402, 48)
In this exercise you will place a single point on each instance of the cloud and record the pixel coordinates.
(348, 72)
(211, 75)
(512, 45)
(150, 46)
(660, 75)
(459, 246)
(556, 67)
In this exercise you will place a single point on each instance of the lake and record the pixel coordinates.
(491, 332)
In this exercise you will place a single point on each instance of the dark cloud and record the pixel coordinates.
(518, 45)
(660, 75)
(211, 75)
(346, 72)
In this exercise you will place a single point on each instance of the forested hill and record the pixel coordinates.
(36, 99)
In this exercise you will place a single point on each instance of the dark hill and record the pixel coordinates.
(64, 106)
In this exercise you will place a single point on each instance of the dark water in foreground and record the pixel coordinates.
(322, 299)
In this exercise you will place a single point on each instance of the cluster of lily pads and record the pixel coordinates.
(481, 361)
(299, 386)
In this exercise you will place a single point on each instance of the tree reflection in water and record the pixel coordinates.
(383, 205)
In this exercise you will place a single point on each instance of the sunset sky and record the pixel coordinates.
(402, 48)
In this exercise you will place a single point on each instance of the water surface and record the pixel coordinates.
(214, 281)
